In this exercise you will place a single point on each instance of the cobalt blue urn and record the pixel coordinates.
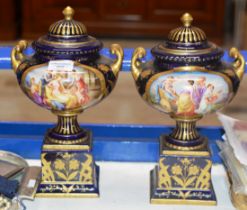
(67, 74)
(185, 79)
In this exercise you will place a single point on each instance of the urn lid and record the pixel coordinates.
(187, 44)
(67, 39)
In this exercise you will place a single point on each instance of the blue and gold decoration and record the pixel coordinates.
(71, 173)
(68, 167)
(182, 177)
(67, 74)
(186, 79)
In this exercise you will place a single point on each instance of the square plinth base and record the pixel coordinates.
(72, 190)
(182, 178)
(68, 171)
(175, 196)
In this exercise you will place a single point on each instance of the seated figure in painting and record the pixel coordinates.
(185, 102)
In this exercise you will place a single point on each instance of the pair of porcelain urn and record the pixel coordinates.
(185, 79)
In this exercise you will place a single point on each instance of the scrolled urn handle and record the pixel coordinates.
(239, 62)
(136, 70)
(117, 50)
(17, 55)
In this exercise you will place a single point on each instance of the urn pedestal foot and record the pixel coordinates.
(182, 177)
(68, 167)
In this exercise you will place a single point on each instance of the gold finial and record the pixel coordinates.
(187, 19)
(68, 13)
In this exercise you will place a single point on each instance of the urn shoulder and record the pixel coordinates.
(184, 68)
(69, 58)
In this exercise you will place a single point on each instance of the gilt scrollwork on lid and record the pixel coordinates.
(67, 39)
(67, 26)
(187, 33)
(187, 44)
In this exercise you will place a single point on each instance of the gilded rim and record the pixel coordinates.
(185, 148)
(187, 52)
(52, 43)
(67, 195)
(66, 142)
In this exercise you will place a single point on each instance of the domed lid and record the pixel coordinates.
(67, 39)
(187, 44)
(67, 26)
(187, 33)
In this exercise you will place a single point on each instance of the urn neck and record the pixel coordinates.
(185, 136)
(185, 130)
(67, 125)
(67, 132)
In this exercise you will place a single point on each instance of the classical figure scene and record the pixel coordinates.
(199, 93)
(62, 90)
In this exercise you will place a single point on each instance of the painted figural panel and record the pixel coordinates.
(63, 90)
(189, 93)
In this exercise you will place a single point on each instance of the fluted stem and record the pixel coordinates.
(67, 125)
(185, 130)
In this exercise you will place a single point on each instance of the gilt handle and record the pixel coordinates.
(17, 55)
(136, 70)
(117, 50)
(239, 62)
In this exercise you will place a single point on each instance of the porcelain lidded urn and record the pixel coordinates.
(185, 79)
(67, 74)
